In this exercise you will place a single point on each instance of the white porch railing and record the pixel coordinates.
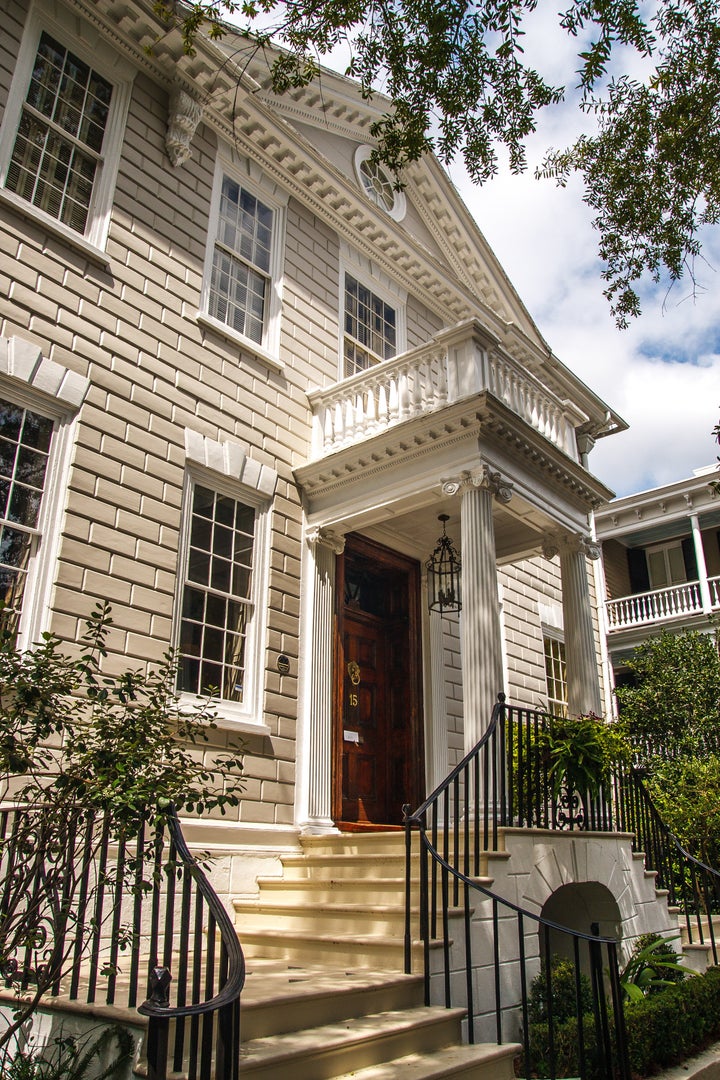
(660, 605)
(454, 365)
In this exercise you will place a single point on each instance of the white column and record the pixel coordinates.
(480, 618)
(316, 816)
(439, 762)
(701, 564)
(583, 684)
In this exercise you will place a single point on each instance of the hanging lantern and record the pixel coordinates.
(443, 571)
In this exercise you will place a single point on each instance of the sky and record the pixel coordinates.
(662, 375)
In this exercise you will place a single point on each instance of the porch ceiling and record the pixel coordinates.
(519, 529)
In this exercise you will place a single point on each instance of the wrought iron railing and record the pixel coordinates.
(692, 886)
(94, 916)
(470, 934)
(479, 934)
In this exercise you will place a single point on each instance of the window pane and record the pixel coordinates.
(370, 328)
(215, 617)
(241, 261)
(49, 167)
(555, 675)
(24, 448)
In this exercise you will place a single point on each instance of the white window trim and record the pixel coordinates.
(33, 382)
(91, 46)
(399, 207)
(366, 272)
(251, 177)
(553, 633)
(226, 468)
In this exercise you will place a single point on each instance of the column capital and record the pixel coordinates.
(326, 538)
(482, 477)
(567, 543)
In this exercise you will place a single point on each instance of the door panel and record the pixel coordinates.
(364, 723)
(377, 737)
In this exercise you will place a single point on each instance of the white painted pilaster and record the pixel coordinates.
(315, 811)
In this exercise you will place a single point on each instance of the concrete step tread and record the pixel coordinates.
(278, 982)
(326, 1038)
(451, 1061)
(334, 939)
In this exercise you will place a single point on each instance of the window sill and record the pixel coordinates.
(93, 253)
(226, 716)
(244, 343)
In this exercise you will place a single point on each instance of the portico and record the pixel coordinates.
(394, 450)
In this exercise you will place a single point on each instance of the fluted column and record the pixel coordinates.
(480, 619)
(583, 683)
(324, 546)
(439, 764)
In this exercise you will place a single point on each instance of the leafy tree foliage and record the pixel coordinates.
(674, 707)
(672, 718)
(686, 791)
(459, 83)
(93, 755)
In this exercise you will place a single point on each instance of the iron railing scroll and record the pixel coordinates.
(130, 922)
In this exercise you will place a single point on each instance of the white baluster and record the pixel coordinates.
(393, 401)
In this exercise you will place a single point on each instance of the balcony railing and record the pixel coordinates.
(660, 605)
(454, 365)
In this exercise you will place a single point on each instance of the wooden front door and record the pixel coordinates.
(377, 737)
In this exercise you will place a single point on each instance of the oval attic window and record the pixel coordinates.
(378, 184)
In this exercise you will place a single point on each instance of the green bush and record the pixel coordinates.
(662, 1030)
(564, 993)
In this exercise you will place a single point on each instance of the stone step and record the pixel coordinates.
(336, 918)
(369, 866)
(350, 890)
(483, 1061)
(374, 952)
(280, 997)
(327, 1051)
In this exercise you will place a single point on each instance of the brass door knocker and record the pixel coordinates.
(354, 672)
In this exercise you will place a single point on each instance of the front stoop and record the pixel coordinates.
(315, 1023)
(342, 902)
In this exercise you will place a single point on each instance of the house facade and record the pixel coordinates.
(661, 562)
(246, 385)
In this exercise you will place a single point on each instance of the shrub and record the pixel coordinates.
(564, 993)
(662, 1030)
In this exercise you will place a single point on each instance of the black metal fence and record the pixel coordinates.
(94, 916)
(489, 955)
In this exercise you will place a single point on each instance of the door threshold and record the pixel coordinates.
(366, 826)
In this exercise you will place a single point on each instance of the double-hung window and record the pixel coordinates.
(241, 295)
(555, 675)
(370, 323)
(217, 605)
(25, 442)
(62, 129)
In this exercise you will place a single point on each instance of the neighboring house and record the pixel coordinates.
(243, 376)
(661, 560)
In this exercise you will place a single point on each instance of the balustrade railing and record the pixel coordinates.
(95, 916)
(452, 366)
(659, 605)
